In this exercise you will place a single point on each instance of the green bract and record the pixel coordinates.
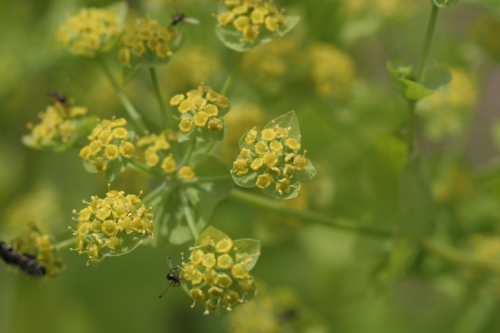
(273, 159)
(404, 76)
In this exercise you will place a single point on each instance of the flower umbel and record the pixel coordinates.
(218, 273)
(252, 17)
(112, 226)
(201, 108)
(145, 37)
(89, 31)
(108, 143)
(58, 125)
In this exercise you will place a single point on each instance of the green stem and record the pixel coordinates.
(138, 166)
(189, 152)
(457, 257)
(165, 116)
(196, 180)
(411, 127)
(66, 243)
(231, 76)
(427, 42)
(271, 205)
(129, 107)
(189, 216)
(151, 195)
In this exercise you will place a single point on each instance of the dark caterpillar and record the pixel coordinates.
(25, 261)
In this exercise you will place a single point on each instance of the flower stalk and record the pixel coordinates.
(164, 114)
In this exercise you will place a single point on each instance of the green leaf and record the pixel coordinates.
(250, 246)
(180, 234)
(307, 174)
(292, 193)
(415, 201)
(415, 91)
(128, 242)
(115, 168)
(444, 3)
(88, 166)
(211, 232)
(436, 77)
(287, 120)
(399, 70)
(231, 37)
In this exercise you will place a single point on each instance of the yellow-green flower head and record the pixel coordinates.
(146, 36)
(274, 155)
(331, 70)
(154, 143)
(200, 108)
(107, 143)
(90, 31)
(251, 17)
(447, 111)
(57, 125)
(105, 222)
(41, 249)
(218, 270)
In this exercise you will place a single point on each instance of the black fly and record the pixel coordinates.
(172, 276)
(25, 261)
(179, 17)
(59, 97)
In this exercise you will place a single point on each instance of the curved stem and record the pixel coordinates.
(189, 216)
(306, 216)
(151, 195)
(129, 107)
(165, 116)
(427, 42)
(138, 166)
(66, 243)
(196, 180)
(188, 153)
(231, 76)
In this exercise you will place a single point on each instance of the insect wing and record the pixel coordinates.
(169, 263)
(164, 289)
(191, 20)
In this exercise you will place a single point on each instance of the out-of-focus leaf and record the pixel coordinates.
(436, 77)
(415, 213)
(211, 232)
(415, 91)
(115, 168)
(232, 38)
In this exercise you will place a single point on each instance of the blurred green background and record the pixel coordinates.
(331, 70)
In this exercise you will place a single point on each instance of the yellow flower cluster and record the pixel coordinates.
(89, 31)
(200, 108)
(41, 247)
(146, 33)
(486, 249)
(107, 144)
(248, 16)
(216, 274)
(154, 143)
(57, 124)
(275, 158)
(331, 70)
(104, 221)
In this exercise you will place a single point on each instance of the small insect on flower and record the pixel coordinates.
(57, 96)
(172, 276)
(25, 261)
